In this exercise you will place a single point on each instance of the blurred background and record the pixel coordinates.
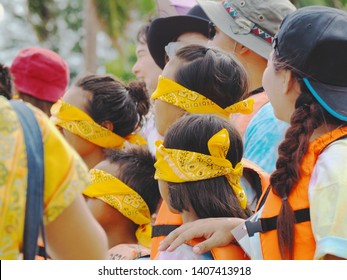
(97, 36)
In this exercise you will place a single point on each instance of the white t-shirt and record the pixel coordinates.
(328, 200)
(328, 205)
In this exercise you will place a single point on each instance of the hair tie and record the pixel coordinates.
(284, 198)
(205, 51)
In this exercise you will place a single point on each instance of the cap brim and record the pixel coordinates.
(220, 17)
(164, 30)
(331, 98)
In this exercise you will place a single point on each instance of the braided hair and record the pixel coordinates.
(308, 116)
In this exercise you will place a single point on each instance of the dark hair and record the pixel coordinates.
(211, 197)
(5, 82)
(136, 169)
(308, 116)
(213, 73)
(125, 106)
(43, 105)
(141, 36)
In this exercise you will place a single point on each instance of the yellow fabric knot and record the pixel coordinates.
(79, 123)
(193, 102)
(114, 192)
(180, 166)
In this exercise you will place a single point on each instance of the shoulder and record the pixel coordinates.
(265, 112)
(265, 121)
(331, 165)
(8, 119)
(334, 156)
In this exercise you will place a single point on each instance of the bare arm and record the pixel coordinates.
(216, 231)
(128, 252)
(75, 234)
(332, 257)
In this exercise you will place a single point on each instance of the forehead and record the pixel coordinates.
(108, 166)
(78, 97)
(192, 38)
(171, 68)
(141, 47)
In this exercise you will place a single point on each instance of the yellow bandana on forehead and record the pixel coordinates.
(195, 103)
(78, 122)
(114, 192)
(180, 166)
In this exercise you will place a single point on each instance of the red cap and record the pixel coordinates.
(41, 73)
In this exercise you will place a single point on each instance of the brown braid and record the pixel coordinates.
(306, 118)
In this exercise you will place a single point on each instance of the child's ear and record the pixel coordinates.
(290, 84)
(108, 125)
(243, 50)
(291, 87)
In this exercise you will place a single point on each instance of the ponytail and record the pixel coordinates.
(112, 100)
(139, 94)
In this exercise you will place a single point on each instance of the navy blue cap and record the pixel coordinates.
(313, 40)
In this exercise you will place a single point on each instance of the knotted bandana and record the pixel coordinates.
(78, 122)
(195, 103)
(180, 166)
(114, 192)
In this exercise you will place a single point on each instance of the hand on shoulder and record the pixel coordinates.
(216, 231)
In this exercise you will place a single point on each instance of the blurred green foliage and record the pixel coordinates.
(115, 17)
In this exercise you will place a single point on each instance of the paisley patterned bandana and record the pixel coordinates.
(195, 103)
(78, 122)
(180, 166)
(114, 192)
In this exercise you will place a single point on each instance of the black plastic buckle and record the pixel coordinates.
(253, 227)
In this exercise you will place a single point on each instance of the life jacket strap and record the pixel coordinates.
(267, 224)
(162, 230)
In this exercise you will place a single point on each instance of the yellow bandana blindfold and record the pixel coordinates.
(193, 102)
(180, 166)
(114, 192)
(78, 122)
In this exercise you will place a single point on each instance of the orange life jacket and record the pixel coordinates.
(167, 221)
(228, 252)
(304, 242)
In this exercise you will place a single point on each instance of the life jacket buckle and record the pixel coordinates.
(253, 227)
